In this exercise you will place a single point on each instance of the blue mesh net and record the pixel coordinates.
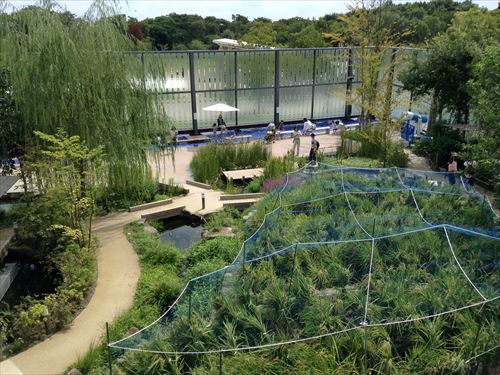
(335, 249)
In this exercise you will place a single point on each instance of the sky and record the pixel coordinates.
(273, 9)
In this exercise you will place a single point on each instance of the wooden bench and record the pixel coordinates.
(194, 138)
(238, 137)
(241, 174)
(163, 214)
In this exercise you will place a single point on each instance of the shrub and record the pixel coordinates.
(397, 157)
(229, 217)
(159, 286)
(221, 248)
(151, 249)
(203, 267)
(255, 185)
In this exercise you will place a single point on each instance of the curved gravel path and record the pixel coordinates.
(118, 272)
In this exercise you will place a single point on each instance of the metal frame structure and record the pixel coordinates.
(209, 69)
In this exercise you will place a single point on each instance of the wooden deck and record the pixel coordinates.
(241, 174)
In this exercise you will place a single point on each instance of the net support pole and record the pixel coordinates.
(244, 257)
(295, 257)
(365, 347)
(189, 308)
(110, 365)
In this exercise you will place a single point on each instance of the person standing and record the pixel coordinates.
(296, 141)
(314, 150)
(452, 169)
(470, 171)
(281, 126)
(308, 126)
(159, 141)
(173, 136)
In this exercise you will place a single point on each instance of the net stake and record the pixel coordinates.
(110, 366)
(189, 308)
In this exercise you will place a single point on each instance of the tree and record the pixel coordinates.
(485, 103)
(64, 173)
(448, 65)
(261, 33)
(9, 116)
(83, 85)
(307, 38)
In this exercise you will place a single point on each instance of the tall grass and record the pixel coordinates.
(209, 162)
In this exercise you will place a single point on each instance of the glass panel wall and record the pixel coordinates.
(214, 70)
(296, 68)
(166, 72)
(329, 101)
(331, 65)
(217, 74)
(177, 108)
(255, 69)
(295, 103)
(256, 106)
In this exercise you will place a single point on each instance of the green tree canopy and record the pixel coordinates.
(80, 77)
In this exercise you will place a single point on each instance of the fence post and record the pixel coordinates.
(313, 82)
(277, 71)
(110, 365)
(350, 77)
(192, 82)
(236, 86)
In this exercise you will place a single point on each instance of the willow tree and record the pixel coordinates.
(82, 76)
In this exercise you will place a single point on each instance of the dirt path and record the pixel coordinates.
(118, 272)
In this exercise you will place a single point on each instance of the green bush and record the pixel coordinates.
(228, 217)
(438, 150)
(158, 286)
(212, 159)
(397, 157)
(255, 185)
(151, 249)
(203, 267)
(35, 318)
(221, 248)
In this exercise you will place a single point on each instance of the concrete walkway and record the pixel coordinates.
(118, 272)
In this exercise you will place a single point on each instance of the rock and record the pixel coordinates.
(132, 330)
(74, 371)
(224, 231)
(248, 216)
(149, 229)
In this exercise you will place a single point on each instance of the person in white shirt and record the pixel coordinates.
(308, 126)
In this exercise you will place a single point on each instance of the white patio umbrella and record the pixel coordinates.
(220, 107)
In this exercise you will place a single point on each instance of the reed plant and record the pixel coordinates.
(210, 160)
